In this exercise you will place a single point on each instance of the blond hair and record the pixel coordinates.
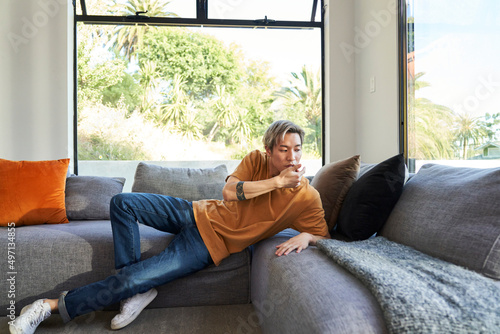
(278, 130)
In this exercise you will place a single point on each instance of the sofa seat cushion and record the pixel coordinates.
(307, 292)
(54, 258)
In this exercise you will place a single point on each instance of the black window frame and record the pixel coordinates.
(201, 20)
(403, 77)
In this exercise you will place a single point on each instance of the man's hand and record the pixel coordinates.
(299, 242)
(290, 177)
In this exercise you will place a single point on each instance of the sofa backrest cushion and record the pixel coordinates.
(332, 182)
(452, 213)
(371, 199)
(191, 184)
(88, 197)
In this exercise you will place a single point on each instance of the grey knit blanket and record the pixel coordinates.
(419, 293)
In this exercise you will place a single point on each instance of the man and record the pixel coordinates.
(265, 194)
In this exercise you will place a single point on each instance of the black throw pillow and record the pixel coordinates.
(371, 199)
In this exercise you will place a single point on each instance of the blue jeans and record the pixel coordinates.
(185, 254)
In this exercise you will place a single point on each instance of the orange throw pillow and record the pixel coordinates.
(32, 192)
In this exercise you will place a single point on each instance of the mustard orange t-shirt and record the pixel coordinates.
(230, 226)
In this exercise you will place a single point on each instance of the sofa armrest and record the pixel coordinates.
(308, 293)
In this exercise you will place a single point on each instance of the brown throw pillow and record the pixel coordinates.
(332, 182)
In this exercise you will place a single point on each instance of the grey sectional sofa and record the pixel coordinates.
(449, 213)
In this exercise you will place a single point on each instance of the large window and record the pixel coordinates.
(191, 86)
(453, 82)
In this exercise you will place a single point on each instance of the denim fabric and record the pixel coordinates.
(185, 254)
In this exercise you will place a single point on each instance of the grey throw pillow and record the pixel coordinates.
(452, 213)
(191, 184)
(88, 197)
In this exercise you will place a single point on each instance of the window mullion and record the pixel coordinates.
(314, 8)
(84, 7)
(202, 10)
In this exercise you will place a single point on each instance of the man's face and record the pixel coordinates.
(286, 153)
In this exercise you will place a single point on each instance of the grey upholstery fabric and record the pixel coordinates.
(220, 319)
(419, 293)
(308, 293)
(188, 183)
(453, 214)
(54, 258)
(88, 197)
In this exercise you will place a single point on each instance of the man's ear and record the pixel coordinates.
(268, 151)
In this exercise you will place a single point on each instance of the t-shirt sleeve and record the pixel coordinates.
(247, 168)
(312, 219)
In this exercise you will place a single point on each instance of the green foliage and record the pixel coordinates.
(127, 91)
(188, 85)
(202, 60)
(436, 132)
(491, 123)
(469, 130)
(95, 74)
(95, 147)
(128, 38)
(302, 103)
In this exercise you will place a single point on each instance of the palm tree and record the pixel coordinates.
(149, 80)
(225, 109)
(129, 38)
(429, 126)
(190, 128)
(304, 89)
(302, 99)
(179, 110)
(469, 129)
(179, 104)
(241, 131)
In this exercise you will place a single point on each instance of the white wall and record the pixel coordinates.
(361, 44)
(36, 89)
(340, 82)
(377, 115)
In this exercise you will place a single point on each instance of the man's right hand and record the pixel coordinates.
(290, 177)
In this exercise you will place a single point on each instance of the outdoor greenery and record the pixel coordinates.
(170, 93)
(438, 132)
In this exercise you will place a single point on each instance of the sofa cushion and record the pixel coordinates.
(451, 213)
(54, 258)
(372, 198)
(188, 183)
(332, 182)
(307, 292)
(32, 192)
(88, 197)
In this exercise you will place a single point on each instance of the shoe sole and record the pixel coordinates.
(145, 303)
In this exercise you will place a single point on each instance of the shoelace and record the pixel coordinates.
(34, 318)
(130, 306)
(125, 305)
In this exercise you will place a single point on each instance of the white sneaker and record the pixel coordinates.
(130, 308)
(32, 315)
